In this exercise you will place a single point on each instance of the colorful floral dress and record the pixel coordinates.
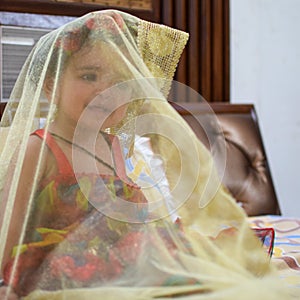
(67, 240)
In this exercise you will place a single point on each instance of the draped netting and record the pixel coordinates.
(106, 193)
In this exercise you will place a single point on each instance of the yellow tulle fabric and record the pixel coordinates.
(162, 225)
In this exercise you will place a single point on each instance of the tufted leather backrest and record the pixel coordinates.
(247, 174)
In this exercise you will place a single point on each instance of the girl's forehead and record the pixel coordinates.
(100, 54)
(96, 48)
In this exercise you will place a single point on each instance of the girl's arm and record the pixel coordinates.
(7, 293)
(22, 196)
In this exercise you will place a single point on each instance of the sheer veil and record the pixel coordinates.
(105, 191)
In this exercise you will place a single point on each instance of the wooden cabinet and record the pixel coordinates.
(147, 9)
(204, 65)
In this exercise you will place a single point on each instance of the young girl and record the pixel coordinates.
(77, 220)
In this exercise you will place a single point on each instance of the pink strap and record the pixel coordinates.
(63, 164)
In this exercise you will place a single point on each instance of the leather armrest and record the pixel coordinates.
(247, 175)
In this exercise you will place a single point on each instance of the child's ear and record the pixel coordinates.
(48, 87)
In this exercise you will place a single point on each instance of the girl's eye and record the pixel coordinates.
(89, 77)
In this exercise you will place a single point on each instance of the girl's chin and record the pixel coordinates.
(108, 128)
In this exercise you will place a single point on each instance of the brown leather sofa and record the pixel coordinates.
(247, 174)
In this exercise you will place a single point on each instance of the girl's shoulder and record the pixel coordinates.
(37, 155)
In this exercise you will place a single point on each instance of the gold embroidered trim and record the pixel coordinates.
(161, 47)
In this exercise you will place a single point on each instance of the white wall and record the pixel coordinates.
(265, 70)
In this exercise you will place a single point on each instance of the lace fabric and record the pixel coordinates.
(168, 228)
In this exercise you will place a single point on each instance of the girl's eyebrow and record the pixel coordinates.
(88, 68)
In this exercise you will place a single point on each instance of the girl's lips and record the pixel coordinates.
(101, 108)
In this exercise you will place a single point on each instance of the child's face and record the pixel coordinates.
(88, 73)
